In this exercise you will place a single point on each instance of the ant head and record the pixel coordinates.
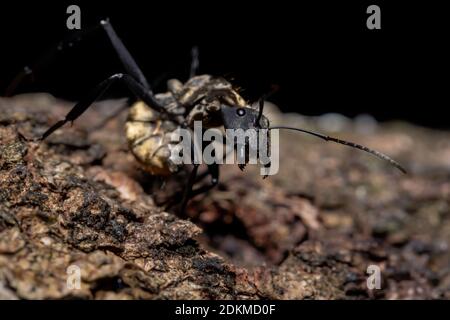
(243, 118)
(253, 124)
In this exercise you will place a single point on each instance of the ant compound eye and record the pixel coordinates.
(240, 112)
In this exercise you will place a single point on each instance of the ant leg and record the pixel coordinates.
(138, 90)
(194, 62)
(202, 175)
(167, 74)
(188, 189)
(69, 41)
(47, 57)
(125, 57)
(213, 170)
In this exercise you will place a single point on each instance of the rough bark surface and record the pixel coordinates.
(309, 232)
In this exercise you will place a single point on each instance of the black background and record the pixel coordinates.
(320, 53)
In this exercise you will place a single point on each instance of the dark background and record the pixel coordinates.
(320, 53)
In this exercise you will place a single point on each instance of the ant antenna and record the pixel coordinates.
(261, 109)
(273, 90)
(194, 61)
(347, 143)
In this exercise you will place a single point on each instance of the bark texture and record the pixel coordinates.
(309, 232)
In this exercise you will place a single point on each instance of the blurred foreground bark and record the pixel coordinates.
(79, 199)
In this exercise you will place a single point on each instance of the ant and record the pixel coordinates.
(154, 117)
